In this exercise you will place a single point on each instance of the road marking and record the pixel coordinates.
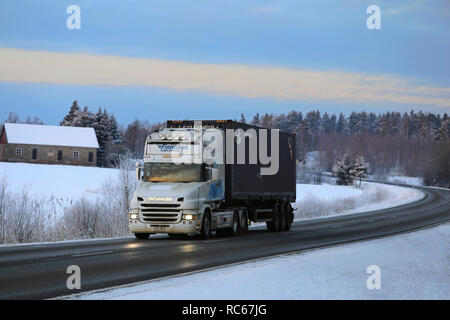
(211, 241)
(90, 254)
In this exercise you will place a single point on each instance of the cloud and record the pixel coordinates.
(17, 65)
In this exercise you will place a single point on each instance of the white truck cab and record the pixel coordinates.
(177, 188)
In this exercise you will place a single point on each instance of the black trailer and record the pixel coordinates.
(265, 197)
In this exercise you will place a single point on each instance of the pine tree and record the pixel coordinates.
(343, 170)
(326, 123)
(83, 118)
(242, 120)
(444, 131)
(73, 112)
(101, 127)
(372, 123)
(266, 121)
(333, 123)
(341, 126)
(353, 122)
(255, 120)
(359, 170)
(113, 128)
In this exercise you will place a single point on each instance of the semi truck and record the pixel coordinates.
(204, 176)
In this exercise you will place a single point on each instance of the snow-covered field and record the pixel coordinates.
(69, 183)
(54, 197)
(60, 181)
(413, 266)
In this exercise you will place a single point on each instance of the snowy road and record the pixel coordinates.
(39, 271)
(415, 265)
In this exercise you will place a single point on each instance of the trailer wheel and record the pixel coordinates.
(290, 217)
(284, 218)
(244, 221)
(274, 225)
(235, 224)
(142, 236)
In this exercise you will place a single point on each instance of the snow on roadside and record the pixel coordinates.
(314, 201)
(413, 266)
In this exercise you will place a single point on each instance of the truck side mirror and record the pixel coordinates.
(214, 174)
(138, 170)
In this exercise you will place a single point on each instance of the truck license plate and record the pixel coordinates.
(160, 228)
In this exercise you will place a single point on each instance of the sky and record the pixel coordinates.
(216, 59)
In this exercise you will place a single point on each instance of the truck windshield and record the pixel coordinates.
(171, 172)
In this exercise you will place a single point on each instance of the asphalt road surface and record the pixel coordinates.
(39, 271)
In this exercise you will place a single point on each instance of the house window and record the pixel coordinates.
(18, 151)
(75, 155)
(34, 154)
(51, 153)
(91, 157)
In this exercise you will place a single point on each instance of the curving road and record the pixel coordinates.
(39, 271)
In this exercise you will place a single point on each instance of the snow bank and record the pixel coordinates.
(413, 266)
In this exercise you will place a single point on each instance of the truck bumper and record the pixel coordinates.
(184, 227)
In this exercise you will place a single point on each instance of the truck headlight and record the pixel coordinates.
(189, 217)
(134, 216)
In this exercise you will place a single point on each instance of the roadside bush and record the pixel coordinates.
(313, 207)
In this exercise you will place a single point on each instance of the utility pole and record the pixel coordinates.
(2, 205)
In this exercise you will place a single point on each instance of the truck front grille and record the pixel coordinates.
(160, 212)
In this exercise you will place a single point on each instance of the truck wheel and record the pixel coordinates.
(244, 222)
(284, 218)
(235, 224)
(206, 226)
(290, 217)
(274, 225)
(142, 236)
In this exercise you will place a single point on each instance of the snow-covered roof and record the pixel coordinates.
(18, 133)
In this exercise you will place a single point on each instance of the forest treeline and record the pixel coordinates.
(411, 143)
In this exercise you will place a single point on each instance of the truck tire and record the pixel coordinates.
(142, 236)
(206, 226)
(283, 218)
(274, 225)
(290, 217)
(244, 222)
(235, 224)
